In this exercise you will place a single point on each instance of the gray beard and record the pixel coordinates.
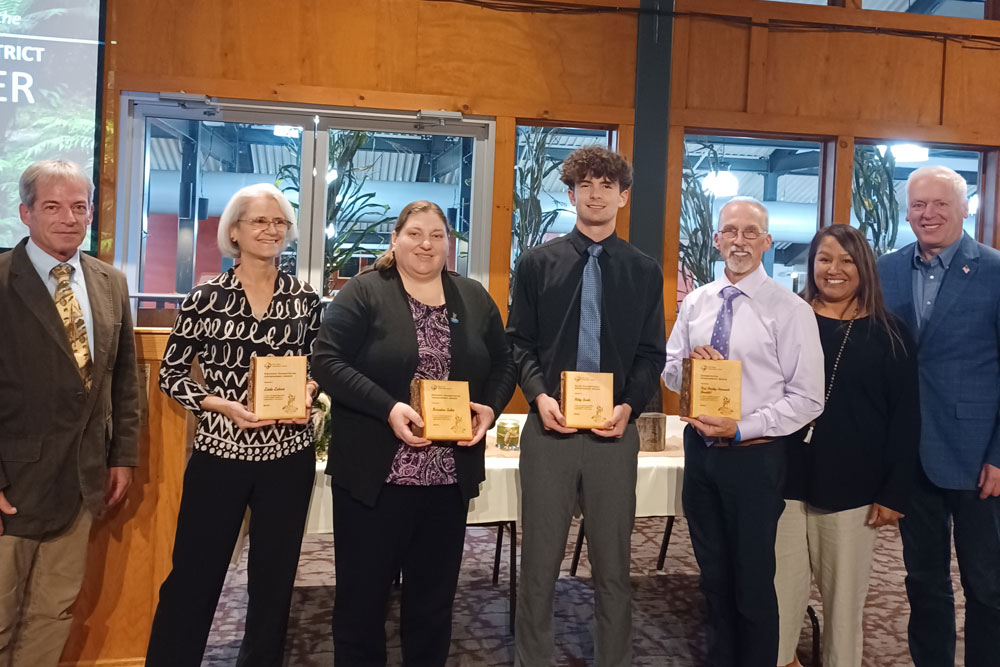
(739, 265)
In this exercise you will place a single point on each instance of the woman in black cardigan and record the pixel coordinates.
(399, 501)
(853, 475)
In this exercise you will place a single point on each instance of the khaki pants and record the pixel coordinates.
(835, 549)
(39, 581)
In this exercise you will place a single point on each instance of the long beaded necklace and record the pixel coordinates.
(833, 373)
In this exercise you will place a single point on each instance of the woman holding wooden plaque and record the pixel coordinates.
(400, 500)
(852, 475)
(253, 312)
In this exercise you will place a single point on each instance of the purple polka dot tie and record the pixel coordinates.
(724, 321)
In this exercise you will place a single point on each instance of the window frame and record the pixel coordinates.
(133, 168)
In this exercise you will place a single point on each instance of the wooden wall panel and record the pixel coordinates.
(834, 72)
(404, 46)
(378, 54)
(980, 74)
(129, 551)
(854, 76)
(717, 59)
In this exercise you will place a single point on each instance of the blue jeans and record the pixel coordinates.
(926, 532)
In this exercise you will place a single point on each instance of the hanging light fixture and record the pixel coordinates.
(721, 183)
(907, 152)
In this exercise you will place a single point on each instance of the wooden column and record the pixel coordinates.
(671, 242)
(625, 136)
(503, 210)
(836, 171)
(992, 10)
(989, 198)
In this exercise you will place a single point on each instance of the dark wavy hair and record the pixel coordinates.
(596, 162)
(869, 294)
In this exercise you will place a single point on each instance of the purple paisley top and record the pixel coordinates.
(433, 465)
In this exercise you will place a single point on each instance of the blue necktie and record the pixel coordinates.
(724, 320)
(588, 347)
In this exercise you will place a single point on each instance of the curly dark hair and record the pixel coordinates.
(596, 162)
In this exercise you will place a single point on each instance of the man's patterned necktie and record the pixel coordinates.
(588, 350)
(724, 320)
(72, 319)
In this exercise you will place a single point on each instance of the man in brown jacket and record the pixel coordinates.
(68, 410)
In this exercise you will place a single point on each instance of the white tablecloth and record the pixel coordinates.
(657, 488)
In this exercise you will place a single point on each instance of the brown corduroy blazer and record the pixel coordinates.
(58, 440)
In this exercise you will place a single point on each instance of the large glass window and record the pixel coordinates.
(782, 174)
(371, 176)
(347, 173)
(972, 9)
(878, 204)
(193, 167)
(541, 204)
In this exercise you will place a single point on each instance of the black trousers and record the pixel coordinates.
(216, 494)
(934, 514)
(732, 500)
(419, 530)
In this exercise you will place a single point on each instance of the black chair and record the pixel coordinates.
(668, 529)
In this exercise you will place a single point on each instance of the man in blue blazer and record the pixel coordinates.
(946, 289)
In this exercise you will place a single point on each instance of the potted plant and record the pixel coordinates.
(352, 214)
(874, 197)
(697, 247)
(530, 222)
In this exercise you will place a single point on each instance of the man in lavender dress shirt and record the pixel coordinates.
(734, 471)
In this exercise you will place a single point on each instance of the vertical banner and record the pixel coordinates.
(49, 84)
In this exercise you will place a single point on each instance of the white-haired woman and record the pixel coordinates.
(239, 461)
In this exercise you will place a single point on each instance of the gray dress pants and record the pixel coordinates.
(559, 472)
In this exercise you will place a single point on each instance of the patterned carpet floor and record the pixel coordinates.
(668, 611)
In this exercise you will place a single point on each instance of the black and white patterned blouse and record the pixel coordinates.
(216, 325)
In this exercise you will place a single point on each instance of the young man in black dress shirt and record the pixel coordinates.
(587, 301)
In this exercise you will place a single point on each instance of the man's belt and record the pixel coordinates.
(728, 442)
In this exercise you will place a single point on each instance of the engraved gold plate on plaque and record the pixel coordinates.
(711, 387)
(277, 387)
(444, 407)
(587, 399)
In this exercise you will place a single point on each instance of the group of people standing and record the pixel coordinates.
(872, 398)
(588, 301)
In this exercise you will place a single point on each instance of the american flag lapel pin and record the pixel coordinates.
(966, 269)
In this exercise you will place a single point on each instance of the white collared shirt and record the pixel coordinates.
(776, 337)
(44, 263)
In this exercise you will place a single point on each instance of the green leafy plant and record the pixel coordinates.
(352, 214)
(531, 222)
(349, 209)
(697, 248)
(874, 197)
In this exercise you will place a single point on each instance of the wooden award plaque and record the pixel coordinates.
(587, 399)
(711, 387)
(277, 387)
(444, 407)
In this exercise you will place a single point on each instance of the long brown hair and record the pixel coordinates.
(869, 294)
(387, 259)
